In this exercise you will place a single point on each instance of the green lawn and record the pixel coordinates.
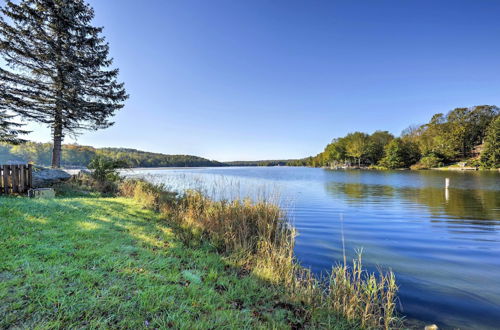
(106, 262)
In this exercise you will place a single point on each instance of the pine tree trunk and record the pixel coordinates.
(59, 86)
(56, 151)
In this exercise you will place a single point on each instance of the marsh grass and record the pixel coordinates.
(363, 296)
(257, 236)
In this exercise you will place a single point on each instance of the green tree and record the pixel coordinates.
(490, 156)
(458, 125)
(378, 141)
(335, 152)
(481, 117)
(438, 138)
(59, 67)
(10, 130)
(357, 145)
(400, 153)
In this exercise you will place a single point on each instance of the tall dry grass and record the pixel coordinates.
(359, 295)
(257, 235)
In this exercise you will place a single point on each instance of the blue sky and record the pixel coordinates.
(262, 79)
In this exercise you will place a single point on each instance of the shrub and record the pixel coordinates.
(105, 169)
(474, 163)
(427, 162)
(149, 195)
(103, 177)
(84, 184)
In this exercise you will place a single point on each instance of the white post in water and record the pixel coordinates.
(446, 192)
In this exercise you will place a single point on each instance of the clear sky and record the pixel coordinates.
(269, 79)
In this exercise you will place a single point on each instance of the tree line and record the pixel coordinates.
(463, 134)
(279, 162)
(73, 155)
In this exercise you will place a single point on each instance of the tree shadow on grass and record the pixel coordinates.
(106, 262)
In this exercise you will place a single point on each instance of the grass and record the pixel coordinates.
(257, 236)
(155, 258)
(99, 262)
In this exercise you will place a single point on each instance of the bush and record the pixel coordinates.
(103, 178)
(427, 162)
(105, 169)
(84, 184)
(149, 195)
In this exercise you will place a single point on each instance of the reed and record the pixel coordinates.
(359, 295)
(258, 236)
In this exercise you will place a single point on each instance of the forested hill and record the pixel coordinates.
(138, 158)
(79, 156)
(278, 162)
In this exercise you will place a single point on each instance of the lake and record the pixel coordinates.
(442, 244)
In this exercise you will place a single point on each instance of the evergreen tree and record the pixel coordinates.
(10, 130)
(58, 67)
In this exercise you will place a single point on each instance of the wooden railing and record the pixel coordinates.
(15, 179)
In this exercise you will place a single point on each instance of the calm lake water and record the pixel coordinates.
(443, 244)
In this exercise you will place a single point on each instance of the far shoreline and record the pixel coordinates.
(75, 171)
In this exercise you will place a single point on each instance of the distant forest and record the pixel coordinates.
(74, 155)
(282, 162)
(468, 135)
(80, 156)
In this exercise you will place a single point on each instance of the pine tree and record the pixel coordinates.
(10, 130)
(58, 67)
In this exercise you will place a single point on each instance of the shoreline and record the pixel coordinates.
(74, 172)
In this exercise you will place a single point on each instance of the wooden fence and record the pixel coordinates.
(15, 179)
